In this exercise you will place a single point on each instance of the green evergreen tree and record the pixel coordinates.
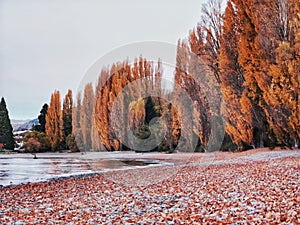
(6, 134)
(42, 119)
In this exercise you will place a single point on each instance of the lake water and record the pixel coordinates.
(22, 168)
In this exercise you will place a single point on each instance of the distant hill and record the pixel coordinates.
(27, 125)
(17, 123)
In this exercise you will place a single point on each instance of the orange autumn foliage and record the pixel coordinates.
(54, 123)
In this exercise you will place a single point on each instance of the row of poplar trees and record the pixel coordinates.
(84, 131)
(251, 54)
(127, 98)
(58, 126)
(92, 121)
(65, 126)
(240, 68)
(54, 130)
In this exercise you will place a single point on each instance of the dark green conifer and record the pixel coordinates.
(6, 130)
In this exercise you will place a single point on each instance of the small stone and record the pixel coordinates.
(20, 222)
(48, 210)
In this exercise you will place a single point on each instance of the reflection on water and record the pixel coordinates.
(18, 170)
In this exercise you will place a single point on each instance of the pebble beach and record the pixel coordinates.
(253, 187)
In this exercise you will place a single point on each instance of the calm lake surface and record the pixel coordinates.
(22, 168)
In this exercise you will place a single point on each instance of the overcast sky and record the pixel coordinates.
(48, 45)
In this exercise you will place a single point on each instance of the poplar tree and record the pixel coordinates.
(76, 128)
(232, 80)
(86, 116)
(54, 123)
(283, 93)
(67, 114)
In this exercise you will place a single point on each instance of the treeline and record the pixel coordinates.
(253, 52)
(129, 110)
(62, 126)
(127, 99)
(119, 108)
(54, 131)
(84, 131)
(236, 86)
(239, 69)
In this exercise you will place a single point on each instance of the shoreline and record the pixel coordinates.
(161, 160)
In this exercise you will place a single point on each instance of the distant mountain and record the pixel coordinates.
(28, 125)
(17, 123)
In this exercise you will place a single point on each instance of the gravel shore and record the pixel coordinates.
(256, 187)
